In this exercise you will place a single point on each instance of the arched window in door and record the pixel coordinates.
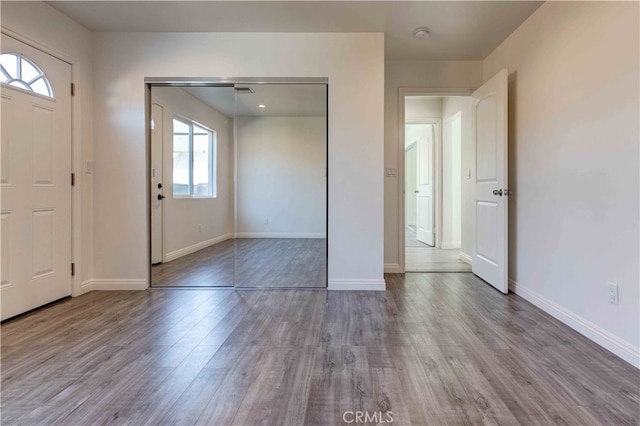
(19, 71)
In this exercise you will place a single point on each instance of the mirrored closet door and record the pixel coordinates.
(238, 185)
(281, 185)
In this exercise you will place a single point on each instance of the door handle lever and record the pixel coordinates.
(161, 197)
(497, 192)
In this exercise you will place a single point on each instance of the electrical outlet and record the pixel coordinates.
(613, 293)
(200, 229)
(266, 221)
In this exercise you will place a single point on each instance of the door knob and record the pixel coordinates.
(497, 192)
(161, 197)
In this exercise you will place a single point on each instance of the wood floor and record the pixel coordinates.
(249, 262)
(420, 257)
(432, 259)
(434, 349)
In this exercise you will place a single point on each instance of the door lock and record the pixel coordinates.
(497, 192)
(159, 186)
(161, 197)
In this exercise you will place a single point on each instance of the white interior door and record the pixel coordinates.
(490, 248)
(425, 222)
(157, 184)
(35, 181)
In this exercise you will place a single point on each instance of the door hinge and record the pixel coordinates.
(73, 89)
(73, 269)
(73, 179)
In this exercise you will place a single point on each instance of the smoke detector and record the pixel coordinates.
(421, 33)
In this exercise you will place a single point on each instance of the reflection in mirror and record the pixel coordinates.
(192, 186)
(281, 185)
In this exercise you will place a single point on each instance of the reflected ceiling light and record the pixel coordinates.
(262, 106)
(421, 33)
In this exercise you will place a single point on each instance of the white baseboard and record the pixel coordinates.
(196, 247)
(85, 287)
(466, 258)
(604, 338)
(357, 284)
(392, 268)
(450, 245)
(113, 284)
(280, 235)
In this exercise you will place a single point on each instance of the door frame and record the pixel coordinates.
(404, 92)
(76, 157)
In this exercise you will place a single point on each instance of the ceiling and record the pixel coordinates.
(460, 30)
(280, 100)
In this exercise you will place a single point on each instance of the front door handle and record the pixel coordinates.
(497, 192)
(161, 197)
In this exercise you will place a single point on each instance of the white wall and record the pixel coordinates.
(411, 185)
(450, 106)
(281, 165)
(574, 161)
(354, 65)
(419, 107)
(412, 74)
(451, 182)
(189, 221)
(40, 25)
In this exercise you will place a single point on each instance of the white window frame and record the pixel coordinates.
(213, 155)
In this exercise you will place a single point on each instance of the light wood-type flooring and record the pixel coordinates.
(434, 349)
(249, 262)
(420, 257)
(432, 259)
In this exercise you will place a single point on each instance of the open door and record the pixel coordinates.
(490, 248)
(156, 183)
(425, 217)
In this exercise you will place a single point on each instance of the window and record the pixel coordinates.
(20, 72)
(194, 159)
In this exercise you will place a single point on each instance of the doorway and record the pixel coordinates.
(433, 148)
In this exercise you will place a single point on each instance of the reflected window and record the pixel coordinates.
(19, 71)
(194, 152)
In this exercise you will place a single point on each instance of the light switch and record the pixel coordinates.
(468, 173)
(88, 166)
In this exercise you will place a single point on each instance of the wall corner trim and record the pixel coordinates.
(113, 284)
(593, 332)
(466, 258)
(357, 284)
(392, 268)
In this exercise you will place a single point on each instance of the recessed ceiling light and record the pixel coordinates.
(262, 106)
(421, 33)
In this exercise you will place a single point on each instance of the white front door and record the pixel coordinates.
(35, 181)
(157, 125)
(425, 223)
(490, 248)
